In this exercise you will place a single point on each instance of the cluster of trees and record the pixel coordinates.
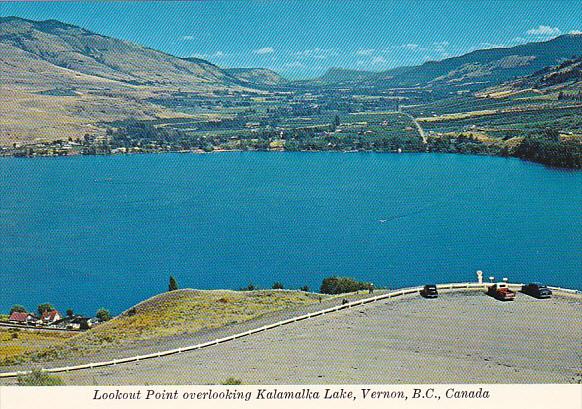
(567, 154)
(173, 284)
(102, 314)
(277, 285)
(341, 285)
(462, 144)
(542, 146)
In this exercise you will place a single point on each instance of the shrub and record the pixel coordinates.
(250, 287)
(103, 314)
(341, 285)
(304, 288)
(39, 378)
(232, 381)
(17, 308)
(277, 285)
(42, 308)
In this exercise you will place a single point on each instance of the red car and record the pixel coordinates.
(501, 292)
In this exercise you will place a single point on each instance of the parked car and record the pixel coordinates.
(429, 291)
(536, 290)
(501, 291)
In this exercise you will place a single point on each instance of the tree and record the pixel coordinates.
(336, 122)
(250, 287)
(304, 288)
(42, 308)
(103, 314)
(173, 285)
(552, 134)
(277, 285)
(17, 308)
(70, 312)
(341, 285)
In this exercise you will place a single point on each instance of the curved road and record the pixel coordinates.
(384, 325)
(420, 130)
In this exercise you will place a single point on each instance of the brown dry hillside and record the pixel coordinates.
(59, 81)
(58, 49)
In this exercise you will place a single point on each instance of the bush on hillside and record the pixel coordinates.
(103, 314)
(278, 285)
(173, 284)
(232, 381)
(39, 378)
(341, 285)
(17, 308)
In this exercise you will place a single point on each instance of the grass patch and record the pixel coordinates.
(457, 116)
(175, 313)
(189, 311)
(232, 381)
(16, 343)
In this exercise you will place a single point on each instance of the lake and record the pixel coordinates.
(90, 232)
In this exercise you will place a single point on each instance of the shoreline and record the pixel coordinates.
(218, 151)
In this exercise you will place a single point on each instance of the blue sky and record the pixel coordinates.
(303, 38)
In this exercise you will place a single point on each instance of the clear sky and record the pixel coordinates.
(303, 38)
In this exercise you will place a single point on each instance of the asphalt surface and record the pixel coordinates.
(464, 337)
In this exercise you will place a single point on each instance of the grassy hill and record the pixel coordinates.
(60, 81)
(175, 313)
(563, 81)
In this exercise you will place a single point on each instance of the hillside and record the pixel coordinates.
(60, 81)
(562, 82)
(256, 76)
(179, 313)
(475, 70)
(52, 52)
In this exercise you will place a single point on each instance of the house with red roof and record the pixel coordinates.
(48, 317)
(22, 318)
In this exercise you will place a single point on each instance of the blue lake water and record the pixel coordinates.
(89, 232)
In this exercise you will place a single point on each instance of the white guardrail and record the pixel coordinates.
(397, 293)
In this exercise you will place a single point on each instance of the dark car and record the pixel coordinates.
(429, 291)
(536, 290)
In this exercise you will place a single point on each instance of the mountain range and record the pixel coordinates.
(59, 79)
(476, 69)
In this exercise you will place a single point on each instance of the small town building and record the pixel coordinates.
(49, 317)
(76, 322)
(22, 318)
